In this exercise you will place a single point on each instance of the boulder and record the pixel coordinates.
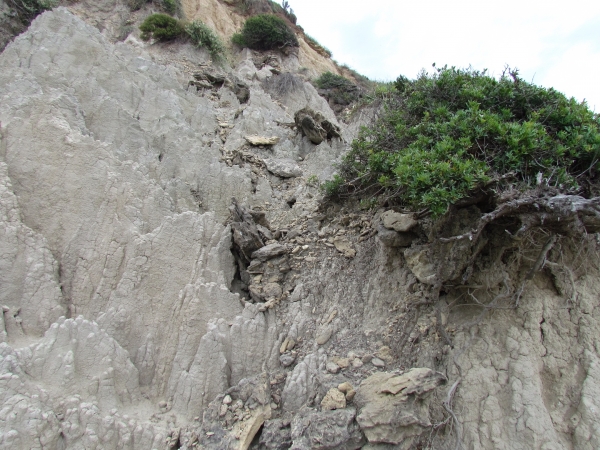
(394, 409)
(391, 238)
(398, 222)
(315, 126)
(334, 399)
(284, 168)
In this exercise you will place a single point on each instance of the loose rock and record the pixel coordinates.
(285, 168)
(334, 399)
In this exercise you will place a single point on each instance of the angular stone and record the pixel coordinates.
(377, 362)
(285, 168)
(272, 290)
(269, 251)
(334, 399)
(332, 367)
(261, 140)
(324, 336)
(344, 363)
(398, 222)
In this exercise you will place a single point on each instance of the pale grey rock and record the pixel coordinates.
(326, 430)
(114, 191)
(378, 362)
(30, 286)
(285, 168)
(224, 356)
(324, 336)
(332, 367)
(301, 386)
(287, 359)
(96, 378)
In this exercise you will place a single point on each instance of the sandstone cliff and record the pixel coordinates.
(167, 284)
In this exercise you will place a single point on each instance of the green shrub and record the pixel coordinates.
(161, 27)
(329, 80)
(265, 32)
(341, 91)
(171, 6)
(443, 136)
(204, 36)
(238, 40)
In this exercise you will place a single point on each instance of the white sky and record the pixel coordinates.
(552, 44)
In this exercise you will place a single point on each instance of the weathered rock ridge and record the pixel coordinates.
(167, 284)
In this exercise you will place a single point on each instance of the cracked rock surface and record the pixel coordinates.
(166, 284)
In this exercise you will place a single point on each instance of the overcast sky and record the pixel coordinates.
(553, 44)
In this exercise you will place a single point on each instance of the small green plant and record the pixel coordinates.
(265, 32)
(171, 6)
(203, 36)
(313, 181)
(161, 28)
(444, 136)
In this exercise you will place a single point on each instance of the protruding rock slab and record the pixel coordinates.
(394, 408)
(284, 168)
(261, 140)
(269, 251)
(315, 126)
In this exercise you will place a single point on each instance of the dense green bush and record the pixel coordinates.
(204, 36)
(265, 32)
(329, 80)
(161, 27)
(443, 136)
(171, 6)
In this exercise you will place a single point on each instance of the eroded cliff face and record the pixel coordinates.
(133, 318)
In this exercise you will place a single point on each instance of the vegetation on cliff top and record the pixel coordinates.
(265, 32)
(161, 27)
(443, 137)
